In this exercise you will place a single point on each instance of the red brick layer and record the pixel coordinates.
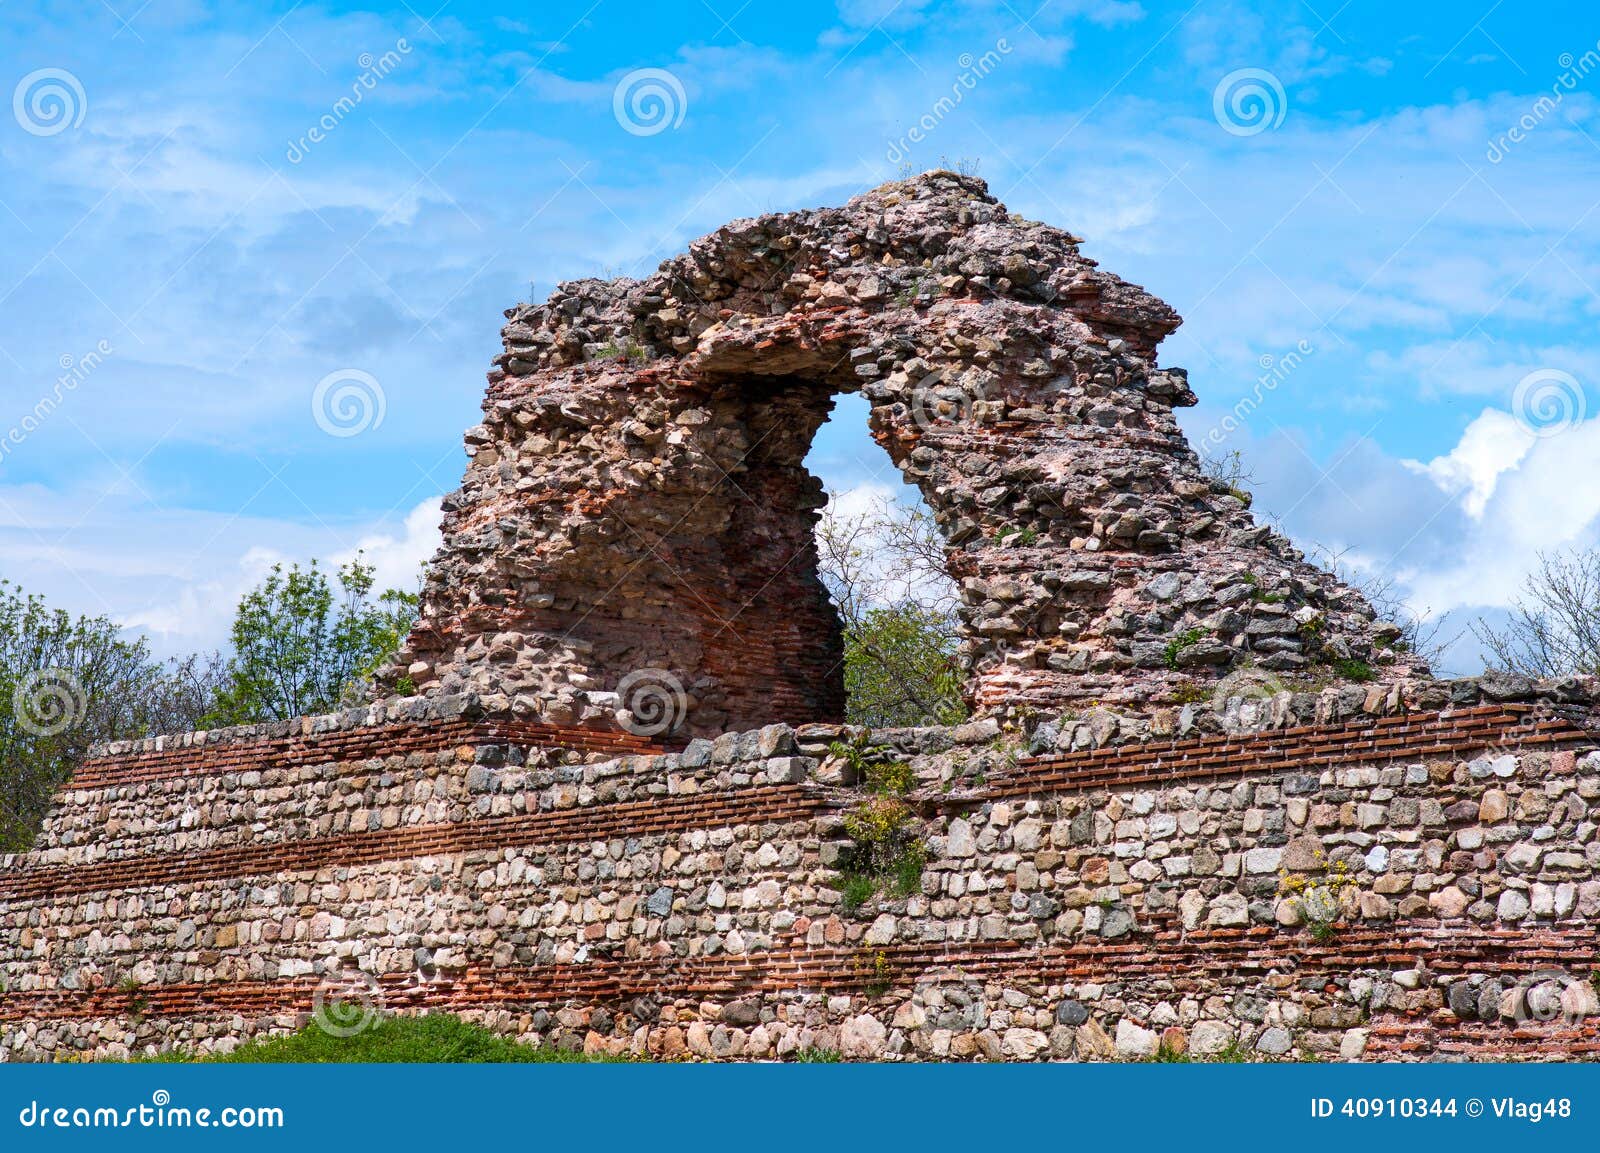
(1381, 740)
(775, 803)
(1202, 961)
(344, 746)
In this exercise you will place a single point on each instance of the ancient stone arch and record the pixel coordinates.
(633, 540)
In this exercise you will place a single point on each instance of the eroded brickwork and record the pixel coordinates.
(637, 497)
(1093, 888)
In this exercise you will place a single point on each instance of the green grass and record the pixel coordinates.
(1230, 1054)
(857, 890)
(437, 1038)
(1354, 670)
(1181, 643)
(818, 1057)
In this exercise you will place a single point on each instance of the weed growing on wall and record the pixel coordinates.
(889, 853)
(1319, 896)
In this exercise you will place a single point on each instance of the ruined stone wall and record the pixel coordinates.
(1092, 888)
(1146, 838)
(632, 543)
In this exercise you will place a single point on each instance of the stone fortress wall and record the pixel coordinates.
(1091, 891)
(1207, 802)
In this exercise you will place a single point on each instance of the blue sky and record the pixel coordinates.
(1390, 193)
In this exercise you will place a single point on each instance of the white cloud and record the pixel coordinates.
(398, 560)
(1548, 502)
(1459, 533)
(1493, 444)
(176, 575)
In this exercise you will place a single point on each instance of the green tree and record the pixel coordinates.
(1553, 630)
(887, 572)
(67, 683)
(300, 648)
(900, 669)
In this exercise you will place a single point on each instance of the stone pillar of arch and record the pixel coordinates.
(633, 541)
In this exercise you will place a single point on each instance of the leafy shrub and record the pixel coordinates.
(813, 1056)
(889, 853)
(1181, 643)
(1354, 670)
